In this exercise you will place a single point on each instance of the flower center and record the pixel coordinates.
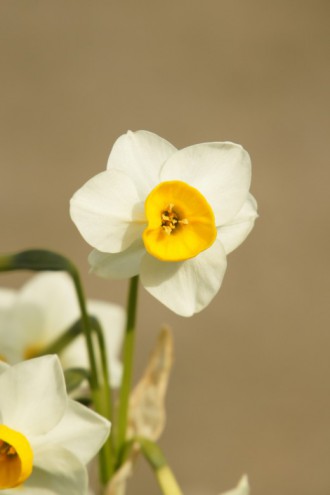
(32, 350)
(171, 220)
(16, 458)
(181, 222)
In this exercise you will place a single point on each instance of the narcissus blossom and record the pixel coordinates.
(242, 488)
(46, 439)
(45, 307)
(170, 215)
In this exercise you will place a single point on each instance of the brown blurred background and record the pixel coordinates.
(251, 382)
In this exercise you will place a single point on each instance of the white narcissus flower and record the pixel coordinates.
(243, 488)
(45, 307)
(46, 439)
(169, 215)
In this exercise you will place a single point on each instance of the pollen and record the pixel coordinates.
(170, 219)
(181, 222)
(6, 450)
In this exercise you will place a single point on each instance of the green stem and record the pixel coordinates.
(158, 462)
(104, 361)
(128, 352)
(87, 328)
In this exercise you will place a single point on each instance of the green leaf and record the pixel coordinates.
(35, 260)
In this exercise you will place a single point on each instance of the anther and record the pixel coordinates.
(170, 219)
(6, 449)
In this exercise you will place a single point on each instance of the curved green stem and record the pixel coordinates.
(158, 462)
(104, 362)
(128, 352)
(87, 328)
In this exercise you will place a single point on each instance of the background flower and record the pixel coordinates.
(45, 307)
(59, 435)
(242, 488)
(169, 215)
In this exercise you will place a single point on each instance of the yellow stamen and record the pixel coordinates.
(16, 458)
(171, 220)
(181, 223)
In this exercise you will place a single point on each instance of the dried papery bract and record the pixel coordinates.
(117, 485)
(147, 404)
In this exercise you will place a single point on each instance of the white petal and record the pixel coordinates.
(119, 265)
(188, 286)
(33, 395)
(56, 472)
(234, 233)
(46, 305)
(7, 297)
(80, 431)
(25, 328)
(3, 367)
(20, 325)
(116, 371)
(108, 212)
(242, 488)
(11, 342)
(220, 171)
(53, 295)
(112, 319)
(12, 336)
(140, 155)
(30, 490)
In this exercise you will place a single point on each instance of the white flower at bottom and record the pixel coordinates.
(45, 307)
(46, 439)
(243, 488)
(170, 215)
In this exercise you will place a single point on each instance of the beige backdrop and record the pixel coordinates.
(250, 387)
